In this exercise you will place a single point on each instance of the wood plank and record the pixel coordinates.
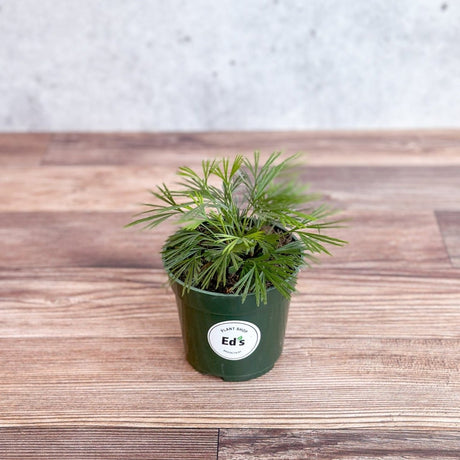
(107, 443)
(120, 188)
(323, 147)
(22, 149)
(387, 187)
(76, 239)
(317, 383)
(90, 340)
(79, 302)
(79, 188)
(241, 444)
(449, 224)
(106, 302)
(378, 240)
(388, 239)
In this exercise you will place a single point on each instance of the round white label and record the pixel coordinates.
(234, 340)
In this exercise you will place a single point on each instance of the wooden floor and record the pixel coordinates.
(91, 359)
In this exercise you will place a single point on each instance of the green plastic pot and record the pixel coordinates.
(228, 338)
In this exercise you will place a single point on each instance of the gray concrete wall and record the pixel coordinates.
(228, 64)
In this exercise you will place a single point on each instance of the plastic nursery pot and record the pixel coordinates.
(230, 339)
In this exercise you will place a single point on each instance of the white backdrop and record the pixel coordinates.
(151, 65)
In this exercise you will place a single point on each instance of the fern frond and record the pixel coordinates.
(251, 233)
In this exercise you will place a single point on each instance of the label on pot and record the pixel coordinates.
(234, 340)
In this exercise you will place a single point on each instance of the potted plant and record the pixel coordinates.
(246, 228)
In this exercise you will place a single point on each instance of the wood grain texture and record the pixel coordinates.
(377, 240)
(449, 224)
(91, 355)
(387, 187)
(107, 302)
(79, 188)
(337, 444)
(145, 381)
(323, 148)
(22, 150)
(77, 239)
(107, 443)
(121, 188)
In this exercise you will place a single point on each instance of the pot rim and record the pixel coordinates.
(214, 293)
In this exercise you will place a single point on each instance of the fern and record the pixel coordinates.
(253, 232)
